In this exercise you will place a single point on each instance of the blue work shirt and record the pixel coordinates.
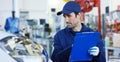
(12, 25)
(63, 41)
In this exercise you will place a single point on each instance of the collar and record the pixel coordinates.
(82, 29)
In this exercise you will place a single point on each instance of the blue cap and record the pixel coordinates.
(70, 7)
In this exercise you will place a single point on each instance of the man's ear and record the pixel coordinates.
(80, 15)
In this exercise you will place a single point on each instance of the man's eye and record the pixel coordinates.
(69, 15)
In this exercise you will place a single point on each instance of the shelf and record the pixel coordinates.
(112, 53)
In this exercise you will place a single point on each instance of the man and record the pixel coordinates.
(63, 40)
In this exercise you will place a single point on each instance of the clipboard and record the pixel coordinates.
(82, 42)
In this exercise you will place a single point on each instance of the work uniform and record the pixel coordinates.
(63, 41)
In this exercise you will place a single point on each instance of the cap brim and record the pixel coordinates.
(59, 13)
(64, 12)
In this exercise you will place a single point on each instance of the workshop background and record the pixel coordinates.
(38, 23)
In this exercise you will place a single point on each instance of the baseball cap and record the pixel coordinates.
(69, 7)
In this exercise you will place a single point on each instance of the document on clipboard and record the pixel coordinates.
(82, 43)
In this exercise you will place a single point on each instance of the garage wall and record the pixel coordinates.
(114, 4)
(37, 8)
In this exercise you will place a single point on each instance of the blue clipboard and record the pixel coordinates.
(82, 42)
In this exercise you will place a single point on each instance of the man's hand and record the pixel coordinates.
(94, 51)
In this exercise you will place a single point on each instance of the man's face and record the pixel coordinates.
(72, 20)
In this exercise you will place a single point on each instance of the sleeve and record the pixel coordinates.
(101, 57)
(57, 48)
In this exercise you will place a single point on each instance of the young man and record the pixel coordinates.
(63, 40)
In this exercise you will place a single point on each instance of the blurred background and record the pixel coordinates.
(38, 21)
